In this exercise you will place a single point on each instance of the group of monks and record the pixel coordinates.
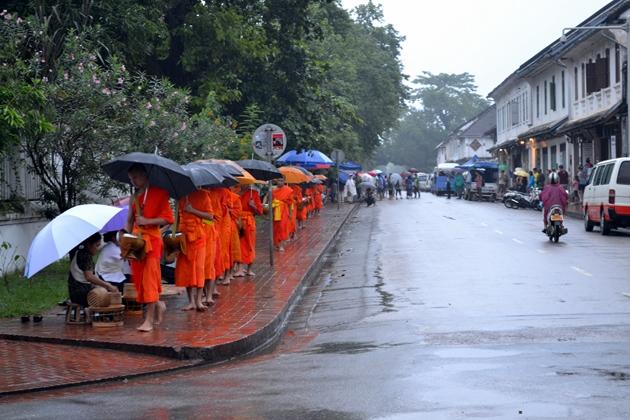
(292, 205)
(218, 236)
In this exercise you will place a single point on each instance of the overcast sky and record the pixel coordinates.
(487, 38)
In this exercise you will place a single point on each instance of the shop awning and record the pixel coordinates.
(504, 145)
(543, 130)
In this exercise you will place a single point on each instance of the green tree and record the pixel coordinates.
(443, 102)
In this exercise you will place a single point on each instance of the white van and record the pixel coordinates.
(425, 181)
(607, 196)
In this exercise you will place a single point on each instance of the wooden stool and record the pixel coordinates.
(77, 314)
(108, 316)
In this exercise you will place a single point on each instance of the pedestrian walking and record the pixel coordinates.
(575, 190)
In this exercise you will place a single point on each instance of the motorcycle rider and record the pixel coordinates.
(553, 195)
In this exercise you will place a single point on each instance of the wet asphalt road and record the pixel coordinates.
(427, 308)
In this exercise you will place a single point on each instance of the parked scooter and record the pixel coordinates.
(555, 224)
(534, 198)
(516, 200)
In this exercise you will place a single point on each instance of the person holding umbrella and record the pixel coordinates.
(150, 210)
(251, 206)
(190, 268)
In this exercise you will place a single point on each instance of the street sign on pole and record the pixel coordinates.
(269, 142)
(338, 156)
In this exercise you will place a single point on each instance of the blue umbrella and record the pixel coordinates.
(350, 166)
(313, 159)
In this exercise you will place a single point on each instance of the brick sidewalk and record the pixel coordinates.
(249, 314)
(27, 366)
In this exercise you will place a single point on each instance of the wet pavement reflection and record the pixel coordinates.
(424, 308)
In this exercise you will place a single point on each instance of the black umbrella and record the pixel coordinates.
(162, 172)
(260, 169)
(206, 176)
(220, 169)
(229, 168)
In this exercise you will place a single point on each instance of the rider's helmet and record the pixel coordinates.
(553, 178)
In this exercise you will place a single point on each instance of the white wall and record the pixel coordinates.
(506, 130)
(544, 115)
(19, 233)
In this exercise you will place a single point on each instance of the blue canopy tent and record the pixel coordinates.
(311, 159)
(349, 165)
(476, 163)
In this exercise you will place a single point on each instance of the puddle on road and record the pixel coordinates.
(351, 347)
(614, 375)
(473, 353)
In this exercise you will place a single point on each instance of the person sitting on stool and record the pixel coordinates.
(81, 278)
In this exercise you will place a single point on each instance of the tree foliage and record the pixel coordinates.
(443, 102)
(193, 79)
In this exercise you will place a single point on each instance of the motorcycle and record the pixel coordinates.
(534, 198)
(555, 224)
(515, 200)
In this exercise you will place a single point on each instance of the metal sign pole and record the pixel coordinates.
(337, 186)
(269, 141)
(270, 157)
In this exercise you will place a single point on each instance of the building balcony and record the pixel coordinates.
(596, 102)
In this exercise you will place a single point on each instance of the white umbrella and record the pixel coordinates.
(396, 178)
(65, 232)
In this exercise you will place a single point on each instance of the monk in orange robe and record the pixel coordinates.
(311, 201)
(214, 261)
(149, 210)
(224, 232)
(302, 209)
(295, 209)
(251, 206)
(318, 199)
(190, 268)
(235, 229)
(282, 199)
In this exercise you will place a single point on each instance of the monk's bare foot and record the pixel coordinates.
(250, 273)
(145, 327)
(188, 307)
(216, 294)
(201, 307)
(239, 273)
(226, 282)
(160, 309)
(281, 249)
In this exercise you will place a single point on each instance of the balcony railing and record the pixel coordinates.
(596, 102)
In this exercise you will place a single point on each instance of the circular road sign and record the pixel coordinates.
(269, 141)
(338, 155)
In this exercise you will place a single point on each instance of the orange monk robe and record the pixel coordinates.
(311, 202)
(146, 274)
(212, 234)
(248, 239)
(217, 198)
(235, 217)
(223, 227)
(282, 199)
(319, 201)
(302, 213)
(297, 198)
(190, 268)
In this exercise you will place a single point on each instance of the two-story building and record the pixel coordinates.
(565, 104)
(474, 137)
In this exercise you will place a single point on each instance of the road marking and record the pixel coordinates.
(498, 231)
(581, 271)
(484, 224)
(542, 251)
(518, 241)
